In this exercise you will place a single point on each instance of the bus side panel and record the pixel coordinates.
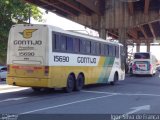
(60, 74)
(107, 67)
(93, 74)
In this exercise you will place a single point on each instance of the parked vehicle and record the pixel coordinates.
(144, 63)
(3, 73)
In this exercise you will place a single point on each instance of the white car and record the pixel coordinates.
(3, 73)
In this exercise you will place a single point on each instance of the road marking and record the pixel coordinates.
(135, 110)
(99, 92)
(139, 108)
(11, 99)
(127, 94)
(70, 103)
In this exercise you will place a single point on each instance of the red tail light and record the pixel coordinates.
(46, 70)
(134, 66)
(150, 66)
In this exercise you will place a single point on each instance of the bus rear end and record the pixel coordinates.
(142, 64)
(26, 56)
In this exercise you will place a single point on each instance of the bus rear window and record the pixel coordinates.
(142, 56)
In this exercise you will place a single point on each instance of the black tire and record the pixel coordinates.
(36, 89)
(151, 75)
(131, 72)
(115, 79)
(79, 82)
(70, 84)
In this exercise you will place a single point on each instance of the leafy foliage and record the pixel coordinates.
(13, 12)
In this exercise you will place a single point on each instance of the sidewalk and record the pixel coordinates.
(4, 86)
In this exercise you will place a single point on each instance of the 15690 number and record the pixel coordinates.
(61, 58)
(26, 53)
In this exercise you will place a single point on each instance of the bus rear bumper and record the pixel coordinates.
(142, 72)
(28, 82)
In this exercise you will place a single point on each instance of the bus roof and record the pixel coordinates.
(57, 29)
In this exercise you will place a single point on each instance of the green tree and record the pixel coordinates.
(13, 12)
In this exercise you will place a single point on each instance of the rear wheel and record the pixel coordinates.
(115, 79)
(70, 84)
(79, 82)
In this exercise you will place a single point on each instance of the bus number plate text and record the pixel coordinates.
(26, 53)
(61, 58)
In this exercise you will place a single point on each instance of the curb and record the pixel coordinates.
(6, 87)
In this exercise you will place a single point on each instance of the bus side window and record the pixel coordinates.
(88, 47)
(106, 48)
(97, 49)
(55, 41)
(110, 50)
(117, 51)
(69, 44)
(102, 49)
(76, 45)
(93, 48)
(82, 46)
(113, 51)
(63, 43)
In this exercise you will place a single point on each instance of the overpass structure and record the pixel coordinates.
(130, 21)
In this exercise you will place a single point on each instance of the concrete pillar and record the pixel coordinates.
(148, 47)
(102, 33)
(122, 39)
(102, 30)
(138, 47)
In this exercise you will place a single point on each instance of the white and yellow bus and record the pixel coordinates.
(42, 56)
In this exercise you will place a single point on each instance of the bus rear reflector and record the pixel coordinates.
(37, 68)
(46, 70)
(15, 67)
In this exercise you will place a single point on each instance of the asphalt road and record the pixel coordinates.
(134, 95)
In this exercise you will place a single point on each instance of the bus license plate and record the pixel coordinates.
(141, 65)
